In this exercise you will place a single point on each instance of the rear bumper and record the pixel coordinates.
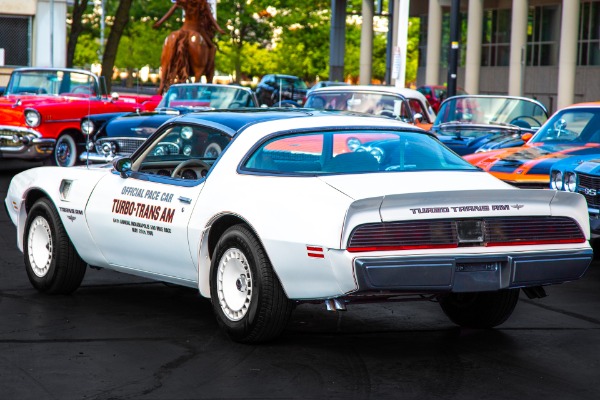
(470, 273)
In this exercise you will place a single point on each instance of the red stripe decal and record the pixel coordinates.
(316, 255)
(313, 248)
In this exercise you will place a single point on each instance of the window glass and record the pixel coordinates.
(52, 82)
(206, 96)
(363, 102)
(578, 126)
(353, 152)
(198, 146)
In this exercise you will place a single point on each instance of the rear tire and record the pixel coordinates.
(247, 297)
(480, 310)
(51, 261)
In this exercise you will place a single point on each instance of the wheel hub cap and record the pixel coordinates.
(40, 246)
(234, 284)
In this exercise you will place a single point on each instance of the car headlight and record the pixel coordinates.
(556, 181)
(570, 182)
(32, 118)
(87, 126)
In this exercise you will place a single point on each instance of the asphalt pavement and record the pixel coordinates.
(123, 337)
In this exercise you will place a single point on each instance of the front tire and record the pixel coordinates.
(480, 310)
(51, 261)
(247, 297)
(65, 151)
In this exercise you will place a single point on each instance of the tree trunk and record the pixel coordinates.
(114, 37)
(79, 7)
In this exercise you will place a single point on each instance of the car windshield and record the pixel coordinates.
(206, 96)
(288, 83)
(575, 125)
(491, 110)
(53, 82)
(351, 152)
(388, 105)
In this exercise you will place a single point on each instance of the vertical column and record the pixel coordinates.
(474, 39)
(434, 43)
(403, 14)
(366, 43)
(337, 40)
(567, 63)
(518, 43)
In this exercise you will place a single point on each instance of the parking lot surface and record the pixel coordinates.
(122, 337)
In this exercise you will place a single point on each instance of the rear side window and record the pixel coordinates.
(352, 152)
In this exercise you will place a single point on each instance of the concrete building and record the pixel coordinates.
(545, 49)
(32, 33)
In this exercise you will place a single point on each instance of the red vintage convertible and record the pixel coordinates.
(41, 111)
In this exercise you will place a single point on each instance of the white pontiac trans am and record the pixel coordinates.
(301, 206)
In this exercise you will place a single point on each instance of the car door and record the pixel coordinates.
(140, 220)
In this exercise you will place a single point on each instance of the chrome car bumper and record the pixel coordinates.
(477, 273)
(24, 143)
(95, 157)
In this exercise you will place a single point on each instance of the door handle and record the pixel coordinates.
(185, 200)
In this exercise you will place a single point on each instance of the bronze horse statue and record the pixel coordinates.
(189, 51)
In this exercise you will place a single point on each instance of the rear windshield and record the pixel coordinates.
(352, 152)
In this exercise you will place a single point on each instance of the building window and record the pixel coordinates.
(495, 51)
(15, 39)
(589, 34)
(445, 45)
(543, 32)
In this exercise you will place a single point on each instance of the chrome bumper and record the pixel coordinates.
(470, 273)
(95, 157)
(24, 143)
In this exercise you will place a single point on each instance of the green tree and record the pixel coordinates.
(247, 22)
(77, 27)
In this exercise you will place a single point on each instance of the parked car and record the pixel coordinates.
(41, 109)
(468, 124)
(405, 104)
(281, 218)
(436, 94)
(120, 134)
(281, 91)
(581, 174)
(322, 84)
(571, 131)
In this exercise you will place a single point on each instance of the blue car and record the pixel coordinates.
(120, 134)
(469, 124)
(581, 174)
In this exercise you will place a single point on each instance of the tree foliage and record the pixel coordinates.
(262, 36)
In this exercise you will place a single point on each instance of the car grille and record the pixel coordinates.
(124, 146)
(592, 184)
(445, 233)
(6, 138)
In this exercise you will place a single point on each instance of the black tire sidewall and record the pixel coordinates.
(41, 209)
(66, 138)
(481, 309)
(237, 237)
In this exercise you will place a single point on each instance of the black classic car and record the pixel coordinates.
(281, 91)
(469, 124)
(120, 134)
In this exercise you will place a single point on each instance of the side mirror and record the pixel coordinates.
(122, 165)
(114, 96)
(560, 124)
(418, 117)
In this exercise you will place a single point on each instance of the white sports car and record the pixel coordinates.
(301, 206)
